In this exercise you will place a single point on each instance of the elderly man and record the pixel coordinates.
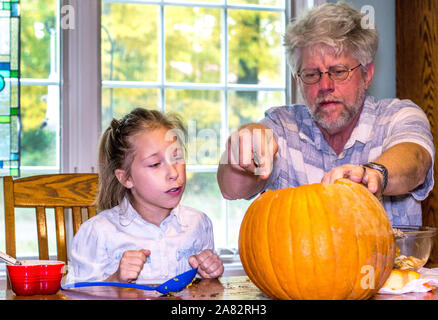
(341, 131)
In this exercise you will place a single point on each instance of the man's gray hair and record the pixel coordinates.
(335, 25)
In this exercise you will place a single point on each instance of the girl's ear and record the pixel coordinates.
(123, 178)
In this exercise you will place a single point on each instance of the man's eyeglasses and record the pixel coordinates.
(336, 73)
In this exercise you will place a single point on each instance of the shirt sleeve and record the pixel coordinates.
(410, 124)
(87, 254)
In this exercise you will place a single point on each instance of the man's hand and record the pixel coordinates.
(371, 178)
(252, 149)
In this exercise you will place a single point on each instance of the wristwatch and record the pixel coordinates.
(382, 169)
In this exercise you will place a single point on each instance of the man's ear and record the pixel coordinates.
(369, 74)
(123, 178)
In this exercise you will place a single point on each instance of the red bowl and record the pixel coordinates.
(24, 271)
(36, 277)
(25, 288)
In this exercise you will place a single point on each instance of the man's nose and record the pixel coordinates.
(326, 83)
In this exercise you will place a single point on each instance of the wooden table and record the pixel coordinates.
(225, 288)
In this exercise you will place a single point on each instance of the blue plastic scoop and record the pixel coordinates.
(175, 284)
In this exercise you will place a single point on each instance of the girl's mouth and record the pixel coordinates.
(174, 191)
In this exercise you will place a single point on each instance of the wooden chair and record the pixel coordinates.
(58, 191)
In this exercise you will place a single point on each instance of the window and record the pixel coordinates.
(40, 86)
(179, 60)
(111, 59)
(40, 108)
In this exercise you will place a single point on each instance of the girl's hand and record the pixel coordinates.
(208, 263)
(130, 265)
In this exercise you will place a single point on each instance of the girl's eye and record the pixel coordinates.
(154, 165)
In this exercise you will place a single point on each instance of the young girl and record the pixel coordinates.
(143, 233)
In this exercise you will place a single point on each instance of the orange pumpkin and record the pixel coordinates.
(317, 241)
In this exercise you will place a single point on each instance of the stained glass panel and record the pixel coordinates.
(9, 88)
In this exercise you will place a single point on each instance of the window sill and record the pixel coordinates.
(233, 269)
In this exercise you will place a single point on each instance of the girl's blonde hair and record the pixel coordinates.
(116, 150)
(337, 25)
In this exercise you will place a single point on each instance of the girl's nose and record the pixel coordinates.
(172, 172)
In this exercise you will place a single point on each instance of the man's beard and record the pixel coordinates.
(347, 114)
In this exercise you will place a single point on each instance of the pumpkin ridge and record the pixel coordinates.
(260, 244)
(293, 225)
(366, 223)
(388, 251)
(327, 212)
(309, 210)
(242, 250)
(344, 189)
(247, 254)
(361, 252)
(381, 270)
(290, 222)
(379, 260)
(342, 288)
(306, 225)
(272, 221)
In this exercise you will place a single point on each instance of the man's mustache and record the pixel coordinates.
(328, 99)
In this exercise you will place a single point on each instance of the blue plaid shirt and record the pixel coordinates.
(304, 156)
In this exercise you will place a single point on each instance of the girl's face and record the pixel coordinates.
(158, 173)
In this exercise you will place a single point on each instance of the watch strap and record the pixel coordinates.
(382, 169)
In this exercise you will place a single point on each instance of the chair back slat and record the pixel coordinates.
(43, 244)
(77, 219)
(8, 189)
(61, 245)
(91, 212)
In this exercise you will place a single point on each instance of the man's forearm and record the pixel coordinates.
(407, 164)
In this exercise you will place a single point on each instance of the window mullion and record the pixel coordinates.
(162, 58)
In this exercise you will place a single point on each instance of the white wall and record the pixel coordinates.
(383, 85)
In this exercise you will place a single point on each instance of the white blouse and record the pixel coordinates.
(101, 241)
